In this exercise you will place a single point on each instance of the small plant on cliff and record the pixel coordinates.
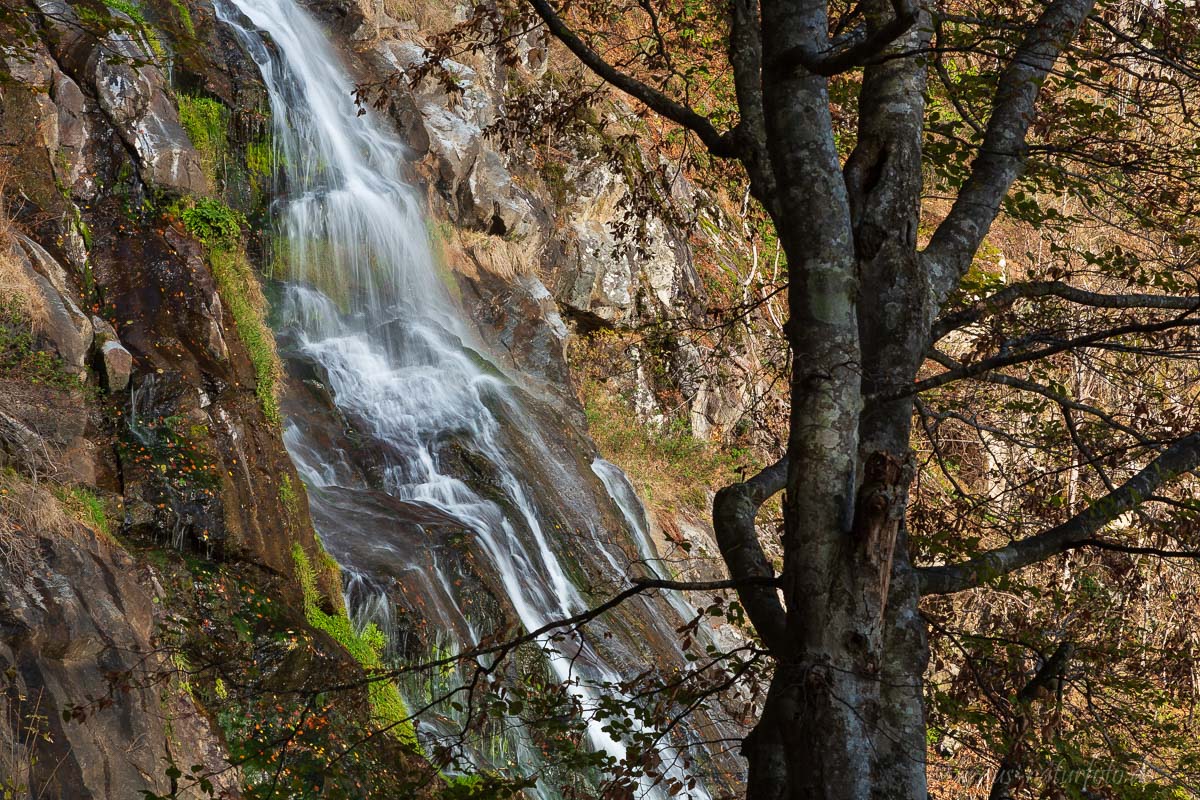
(260, 157)
(86, 506)
(23, 314)
(177, 466)
(185, 16)
(18, 291)
(288, 496)
(26, 507)
(165, 447)
(211, 221)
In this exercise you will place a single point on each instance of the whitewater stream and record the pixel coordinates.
(435, 475)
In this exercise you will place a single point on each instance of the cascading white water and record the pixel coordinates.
(365, 302)
(624, 495)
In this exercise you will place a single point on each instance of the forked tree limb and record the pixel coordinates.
(746, 58)
(1181, 457)
(734, 510)
(854, 50)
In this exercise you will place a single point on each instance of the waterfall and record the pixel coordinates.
(623, 494)
(365, 305)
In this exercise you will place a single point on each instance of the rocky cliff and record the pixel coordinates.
(150, 519)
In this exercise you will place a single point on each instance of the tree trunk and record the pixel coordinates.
(844, 718)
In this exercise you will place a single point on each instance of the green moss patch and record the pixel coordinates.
(242, 294)
(387, 706)
(206, 122)
(185, 16)
(219, 228)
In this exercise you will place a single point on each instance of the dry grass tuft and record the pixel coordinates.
(18, 292)
(26, 510)
(501, 257)
(431, 16)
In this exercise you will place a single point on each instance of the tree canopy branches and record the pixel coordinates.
(1002, 153)
(1036, 289)
(719, 144)
(1181, 457)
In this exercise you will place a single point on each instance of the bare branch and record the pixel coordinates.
(1085, 452)
(1181, 457)
(1101, 544)
(502, 649)
(1002, 155)
(1064, 401)
(719, 144)
(1023, 357)
(1029, 289)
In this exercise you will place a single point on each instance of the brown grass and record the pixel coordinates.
(18, 290)
(26, 509)
(432, 16)
(673, 471)
(501, 257)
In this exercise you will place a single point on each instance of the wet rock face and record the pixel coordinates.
(135, 100)
(76, 629)
(79, 619)
(527, 327)
(392, 551)
(131, 92)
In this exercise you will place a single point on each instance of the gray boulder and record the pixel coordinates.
(115, 362)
